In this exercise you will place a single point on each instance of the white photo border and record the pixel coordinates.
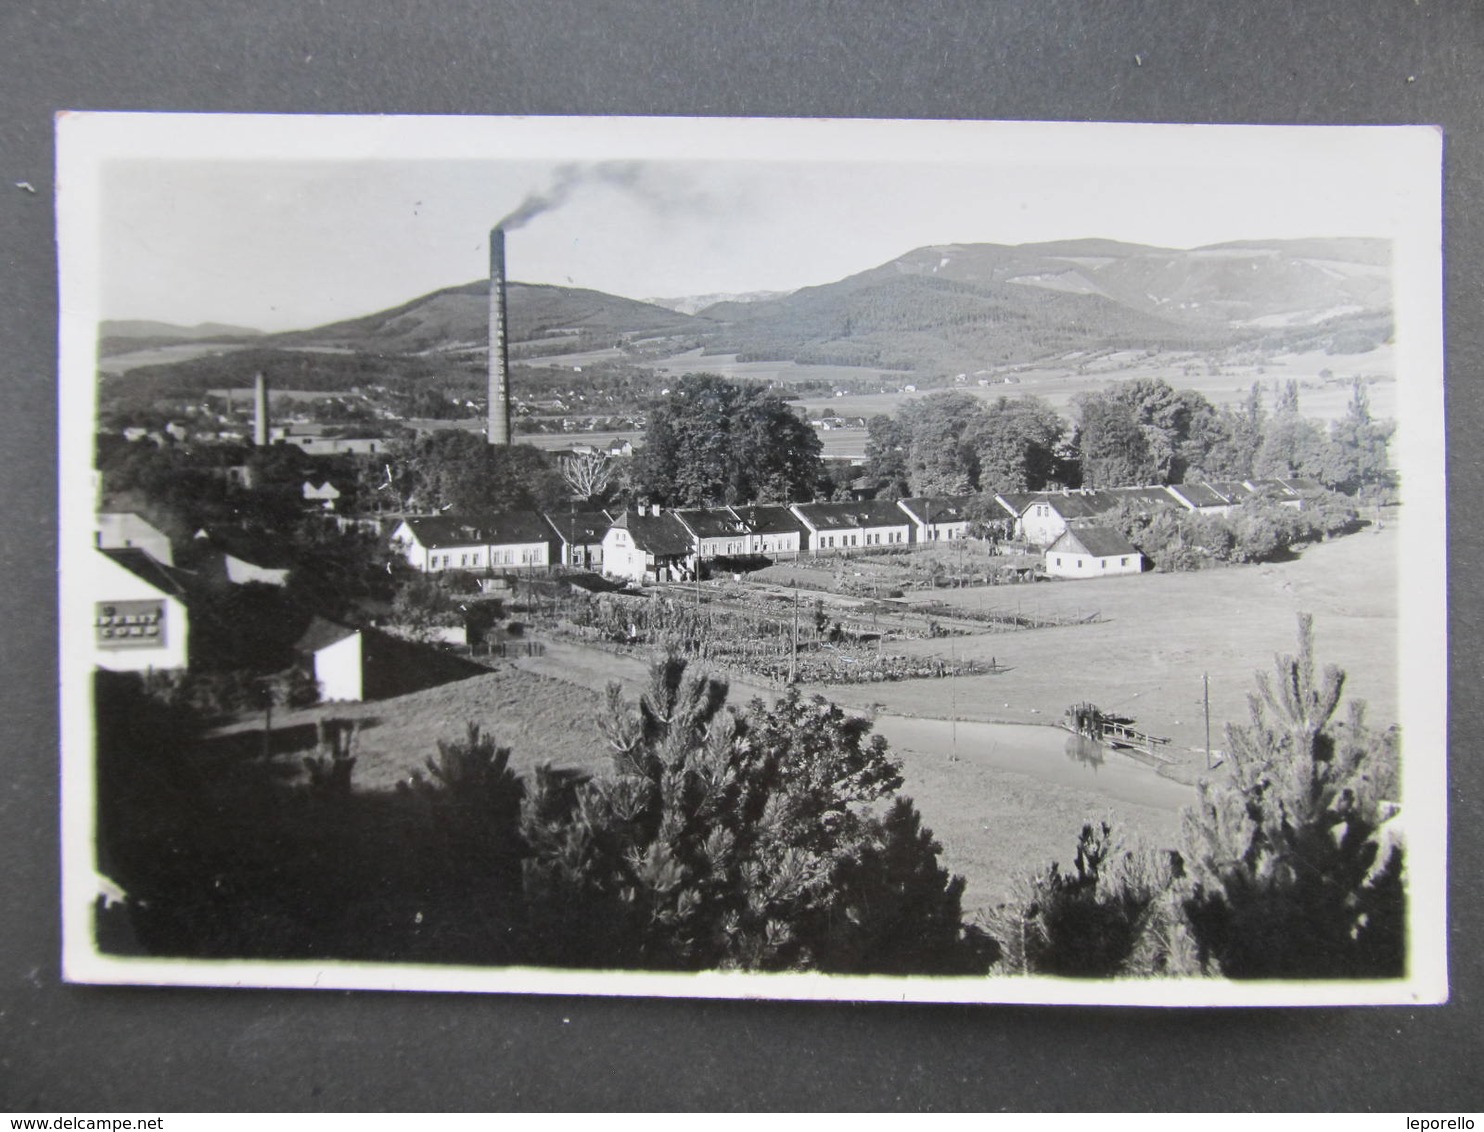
(1405, 161)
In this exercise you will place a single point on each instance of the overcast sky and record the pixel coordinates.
(283, 223)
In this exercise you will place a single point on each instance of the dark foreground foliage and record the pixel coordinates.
(1288, 871)
(764, 839)
(767, 839)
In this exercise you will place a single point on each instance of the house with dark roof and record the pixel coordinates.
(1091, 551)
(777, 532)
(649, 547)
(937, 518)
(718, 532)
(140, 618)
(242, 556)
(336, 659)
(580, 537)
(507, 540)
(1208, 498)
(836, 528)
(369, 664)
(1042, 516)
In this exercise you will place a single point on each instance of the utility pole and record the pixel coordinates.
(793, 656)
(1206, 686)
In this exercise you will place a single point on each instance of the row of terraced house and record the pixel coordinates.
(670, 544)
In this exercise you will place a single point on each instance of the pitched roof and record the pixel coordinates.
(1199, 494)
(661, 535)
(253, 547)
(1234, 490)
(578, 528)
(1093, 540)
(500, 528)
(1084, 503)
(937, 508)
(147, 568)
(322, 634)
(712, 522)
(771, 519)
(852, 515)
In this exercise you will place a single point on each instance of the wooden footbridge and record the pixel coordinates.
(1115, 730)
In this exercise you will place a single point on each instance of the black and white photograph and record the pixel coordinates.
(879, 560)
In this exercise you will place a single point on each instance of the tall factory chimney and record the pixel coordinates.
(498, 431)
(260, 411)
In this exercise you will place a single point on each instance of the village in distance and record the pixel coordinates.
(921, 623)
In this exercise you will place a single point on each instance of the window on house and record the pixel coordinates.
(1079, 563)
(1058, 561)
(1123, 562)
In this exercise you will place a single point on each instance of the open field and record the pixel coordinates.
(1000, 826)
(1058, 383)
(781, 372)
(1159, 633)
(116, 364)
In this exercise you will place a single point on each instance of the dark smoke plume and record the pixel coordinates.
(643, 182)
(567, 180)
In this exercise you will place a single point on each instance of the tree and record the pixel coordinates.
(452, 469)
(940, 461)
(1357, 446)
(1231, 441)
(766, 839)
(588, 474)
(1114, 449)
(886, 454)
(1290, 875)
(1292, 446)
(1110, 917)
(1016, 444)
(712, 441)
(1163, 417)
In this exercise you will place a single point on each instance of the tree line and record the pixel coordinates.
(1140, 431)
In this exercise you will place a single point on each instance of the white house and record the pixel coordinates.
(326, 494)
(1092, 552)
(843, 527)
(937, 518)
(717, 532)
(1042, 516)
(580, 536)
(509, 540)
(776, 532)
(336, 657)
(649, 547)
(140, 619)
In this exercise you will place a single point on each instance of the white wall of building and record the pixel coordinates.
(136, 627)
(1074, 564)
(338, 670)
(621, 558)
(1040, 524)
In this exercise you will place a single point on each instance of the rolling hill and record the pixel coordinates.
(457, 318)
(936, 309)
(965, 305)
